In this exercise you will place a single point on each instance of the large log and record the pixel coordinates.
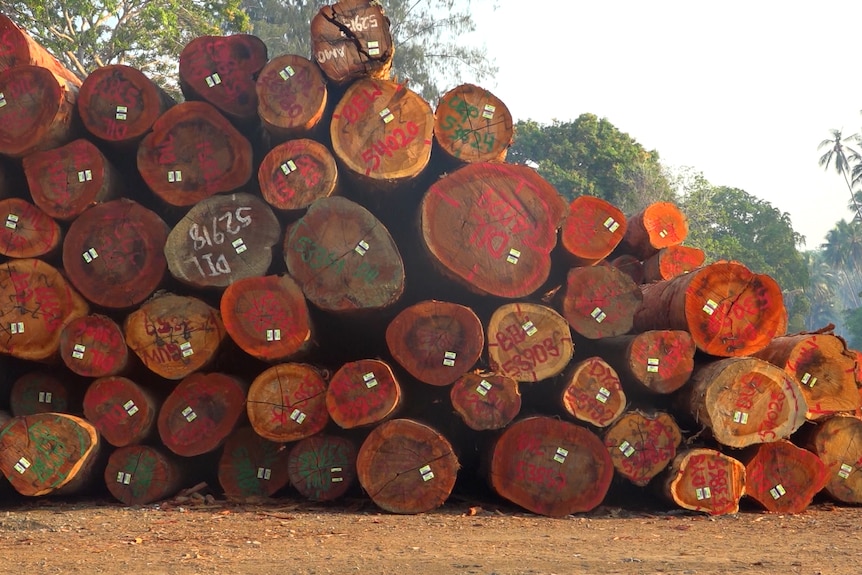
(473, 125)
(599, 301)
(528, 342)
(659, 225)
(18, 48)
(123, 411)
(287, 402)
(593, 228)
(322, 467)
(705, 480)
(296, 173)
(142, 474)
(672, 261)
(27, 231)
(837, 441)
(222, 239)
(551, 467)
(784, 478)
(36, 303)
(291, 96)
(114, 253)
(656, 361)
(94, 346)
(252, 466)
(728, 309)
(192, 153)
(485, 400)
(592, 392)
(344, 258)
(491, 227)
(363, 393)
(642, 444)
(174, 335)
(407, 467)
(44, 392)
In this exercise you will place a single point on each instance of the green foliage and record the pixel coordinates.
(853, 327)
(590, 156)
(822, 292)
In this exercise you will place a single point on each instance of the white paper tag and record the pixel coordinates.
(213, 80)
(45, 396)
(124, 478)
(845, 471)
(603, 395)
(22, 465)
(16, 327)
(78, 351)
(777, 491)
(740, 417)
(449, 358)
(598, 315)
(561, 454)
(287, 73)
(611, 224)
(362, 247)
(426, 473)
(809, 380)
(3, 101)
(186, 349)
(130, 408)
(369, 379)
(529, 328)
(273, 335)
(122, 113)
(484, 387)
(627, 449)
(264, 473)
(85, 176)
(12, 221)
(386, 115)
(297, 416)
(373, 48)
(175, 176)
(710, 307)
(488, 111)
(239, 245)
(514, 256)
(90, 255)
(189, 414)
(652, 365)
(703, 493)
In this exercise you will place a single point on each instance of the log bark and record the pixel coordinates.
(192, 153)
(363, 393)
(728, 310)
(322, 467)
(706, 480)
(600, 301)
(492, 227)
(407, 467)
(745, 401)
(251, 466)
(351, 39)
(18, 48)
(268, 318)
(837, 441)
(473, 125)
(344, 258)
(629, 265)
(94, 346)
(656, 361)
(43, 391)
(592, 392)
(382, 132)
(784, 478)
(296, 173)
(551, 467)
(528, 342)
(174, 335)
(824, 367)
(37, 110)
(659, 225)
(672, 261)
(27, 231)
(486, 401)
(143, 474)
(592, 230)
(123, 411)
(114, 254)
(287, 402)
(36, 303)
(222, 239)
(642, 444)
(291, 97)
(201, 412)
(119, 104)
(435, 341)
(221, 70)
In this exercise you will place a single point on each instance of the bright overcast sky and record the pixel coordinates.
(742, 91)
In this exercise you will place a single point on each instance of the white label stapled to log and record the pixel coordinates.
(777, 491)
(85, 176)
(845, 471)
(16, 327)
(710, 306)
(598, 315)
(373, 48)
(663, 234)
(273, 335)
(90, 255)
(213, 80)
(264, 473)
(297, 416)
(626, 449)
(239, 245)
(611, 224)
(426, 473)
(652, 364)
(362, 247)
(488, 111)
(78, 351)
(189, 414)
(449, 358)
(484, 387)
(3, 101)
(22, 465)
(740, 417)
(130, 408)
(122, 113)
(387, 115)
(12, 221)
(703, 493)
(603, 395)
(45, 396)
(514, 256)
(561, 454)
(124, 478)
(370, 379)
(809, 380)
(175, 176)
(288, 167)
(529, 328)
(287, 73)
(334, 478)
(186, 349)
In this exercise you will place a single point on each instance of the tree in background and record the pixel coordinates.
(847, 162)
(428, 37)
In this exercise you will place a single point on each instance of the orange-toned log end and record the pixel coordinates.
(267, 317)
(222, 239)
(362, 393)
(824, 367)
(344, 258)
(642, 444)
(36, 303)
(486, 401)
(593, 228)
(17, 47)
(492, 227)
(435, 341)
(174, 335)
(119, 104)
(706, 480)
(251, 466)
(41, 392)
(657, 226)
(629, 265)
(600, 301)
(142, 474)
(837, 441)
(745, 401)
(473, 125)
(784, 478)
(221, 70)
(659, 361)
(322, 467)
(672, 261)
(200, 413)
(287, 402)
(728, 310)
(94, 346)
(291, 96)
(407, 467)
(382, 131)
(592, 392)
(28, 232)
(193, 153)
(528, 342)
(114, 253)
(351, 39)
(296, 173)
(123, 411)
(38, 110)
(551, 467)
(42, 453)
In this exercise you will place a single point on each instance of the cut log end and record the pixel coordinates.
(252, 466)
(41, 392)
(593, 228)
(657, 226)
(706, 480)
(473, 125)
(600, 301)
(672, 261)
(837, 441)
(122, 411)
(592, 392)
(322, 467)
(287, 402)
(642, 444)
(28, 232)
(362, 393)
(94, 346)
(784, 478)
(291, 95)
(296, 173)
(486, 401)
(141, 474)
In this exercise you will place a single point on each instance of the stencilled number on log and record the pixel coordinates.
(210, 264)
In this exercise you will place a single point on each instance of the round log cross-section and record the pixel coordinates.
(141, 474)
(407, 467)
(473, 125)
(362, 393)
(287, 402)
(252, 466)
(784, 478)
(642, 444)
(592, 392)
(593, 228)
(600, 301)
(492, 227)
(672, 261)
(656, 361)
(322, 467)
(659, 225)
(123, 411)
(486, 401)
(43, 392)
(837, 441)
(94, 346)
(291, 96)
(706, 480)
(294, 174)
(27, 231)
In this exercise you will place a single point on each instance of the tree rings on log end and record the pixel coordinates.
(592, 392)
(94, 346)
(473, 125)
(251, 466)
(322, 467)
(122, 411)
(41, 392)
(784, 478)
(296, 173)
(486, 401)
(600, 301)
(642, 444)
(593, 228)
(291, 96)
(27, 231)
(141, 474)
(362, 393)
(658, 361)
(657, 226)
(837, 441)
(672, 261)
(706, 480)
(287, 402)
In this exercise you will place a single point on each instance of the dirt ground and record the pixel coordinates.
(287, 537)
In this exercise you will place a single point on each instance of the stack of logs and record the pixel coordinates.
(304, 276)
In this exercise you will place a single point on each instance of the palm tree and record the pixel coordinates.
(845, 160)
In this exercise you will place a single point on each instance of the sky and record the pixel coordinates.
(741, 91)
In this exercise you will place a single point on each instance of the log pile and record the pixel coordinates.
(304, 278)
